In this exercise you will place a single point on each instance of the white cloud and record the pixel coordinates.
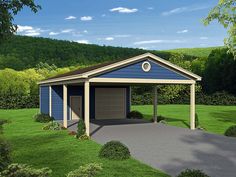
(122, 35)
(103, 15)
(150, 8)
(203, 38)
(182, 31)
(183, 9)
(159, 42)
(86, 18)
(109, 38)
(23, 28)
(53, 33)
(32, 33)
(29, 30)
(85, 31)
(70, 17)
(123, 10)
(83, 41)
(67, 31)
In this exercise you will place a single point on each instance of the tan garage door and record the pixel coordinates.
(110, 103)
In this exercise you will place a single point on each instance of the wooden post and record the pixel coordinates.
(50, 101)
(65, 106)
(86, 106)
(192, 106)
(155, 104)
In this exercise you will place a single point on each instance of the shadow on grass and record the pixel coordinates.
(225, 116)
(168, 119)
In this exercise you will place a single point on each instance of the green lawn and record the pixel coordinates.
(215, 119)
(59, 151)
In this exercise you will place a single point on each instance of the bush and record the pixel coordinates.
(23, 170)
(1, 125)
(84, 137)
(135, 115)
(231, 131)
(192, 173)
(43, 118)
(4, 154)
(81, 128)
(114, 150)
(53, 126)
(88, 170)
(19, 101)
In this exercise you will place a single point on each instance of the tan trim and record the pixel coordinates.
(48, 82)
(192, 106)
(50, 101)
(155, 104)
(65, 106)
(80, 114)
(86, 106)
(140, 81)
(120, 63)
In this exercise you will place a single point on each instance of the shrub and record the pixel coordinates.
(43, 118)
(81, 128)
(1, 125)
(231, 131)
(88, 170)
(84, 137)
(114, 150)
(4, 154)
(53, 126)
(135, 115)
(23, 170)
(192, 173)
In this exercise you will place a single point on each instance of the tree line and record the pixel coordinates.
(19, 89)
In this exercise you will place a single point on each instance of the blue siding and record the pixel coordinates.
(44, 99)
(57, 102)
(135, 71)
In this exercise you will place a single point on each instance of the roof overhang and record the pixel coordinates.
(90, 74)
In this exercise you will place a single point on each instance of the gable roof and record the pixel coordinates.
(96, 69)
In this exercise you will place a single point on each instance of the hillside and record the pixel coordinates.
(22, 52)
(197, 52)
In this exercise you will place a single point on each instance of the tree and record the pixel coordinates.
(225, 13)
(8, 9)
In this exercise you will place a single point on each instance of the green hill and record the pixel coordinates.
(22, 52)
(197, 52)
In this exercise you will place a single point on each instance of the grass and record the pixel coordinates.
(215, 119)
(197, 52)
(59, 151)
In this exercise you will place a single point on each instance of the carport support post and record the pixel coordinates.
(50, 100)
(65, 106)
(86, 105)
(155, 104)
(192, 106)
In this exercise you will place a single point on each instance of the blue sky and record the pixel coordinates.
(149, 24)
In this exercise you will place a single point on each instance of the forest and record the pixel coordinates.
(26, 60)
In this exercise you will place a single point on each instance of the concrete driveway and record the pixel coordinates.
(171, 149)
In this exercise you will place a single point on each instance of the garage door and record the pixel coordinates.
(110, 103)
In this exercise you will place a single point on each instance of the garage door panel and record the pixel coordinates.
(110, 103)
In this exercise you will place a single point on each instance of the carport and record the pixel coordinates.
(103, 91)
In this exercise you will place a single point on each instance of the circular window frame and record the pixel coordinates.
(146, 69)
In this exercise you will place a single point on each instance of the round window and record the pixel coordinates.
(146, 66)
